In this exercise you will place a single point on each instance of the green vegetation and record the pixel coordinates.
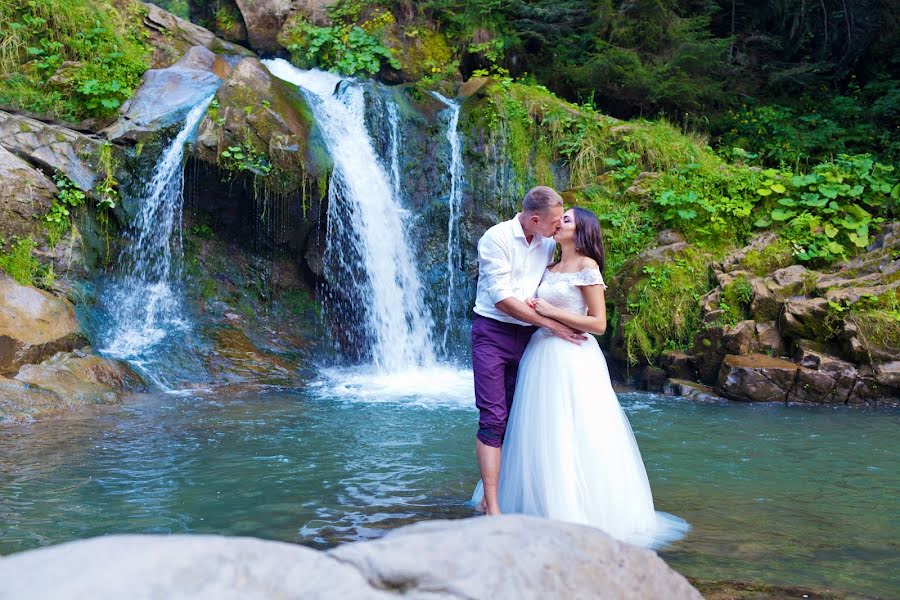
(345, 47)
(245, 157)
(19, 263)
(69, 198)
(735, 300)
(664, 306)
(68, 58)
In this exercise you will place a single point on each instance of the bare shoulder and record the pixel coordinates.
(588, 263)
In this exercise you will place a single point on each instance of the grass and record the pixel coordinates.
(95, 50)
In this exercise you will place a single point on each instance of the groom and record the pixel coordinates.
(512, 257)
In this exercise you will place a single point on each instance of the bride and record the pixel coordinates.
(569, 452)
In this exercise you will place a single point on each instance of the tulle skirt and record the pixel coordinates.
(569, 452)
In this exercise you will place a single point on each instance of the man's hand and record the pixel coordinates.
(565, 332)
(542, 307)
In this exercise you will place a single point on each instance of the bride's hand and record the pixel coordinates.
(542, 307)
(530, 302)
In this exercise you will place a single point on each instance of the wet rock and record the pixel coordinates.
(171, 37)
(831, 383)
(33, 326)
(264, 20)
(166, 95)
(518, 557)
(696, 392)
(678, 365)
(80, 378)
(53, 147)
(739, 338)
(261, 111)
(20, 401)
(25, 193)
(806, 318)
(708, 351)
(768, 340)
(888, 375)
(763, 305)
(756, 378)
(653, 378)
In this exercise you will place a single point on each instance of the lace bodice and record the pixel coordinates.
(561, 289)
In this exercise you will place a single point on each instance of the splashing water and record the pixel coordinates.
(368, 261)
(144, 304)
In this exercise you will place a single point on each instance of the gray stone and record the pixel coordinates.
(768, 340)
(695, 392)
(738, 338)
(760, 242)
(678, 365)
(511, 556)
(53, 147)
(171, 37)
(756, 378)
(166, 95)
(806, 318)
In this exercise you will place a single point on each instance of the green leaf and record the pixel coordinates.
(778, 188)
(787, 202)
(764, 191)
(830, 230)
(780, 214)
(687, 213)
(762, 222)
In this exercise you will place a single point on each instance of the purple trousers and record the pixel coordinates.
(497, 348)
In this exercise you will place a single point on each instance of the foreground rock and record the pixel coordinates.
(504, 557)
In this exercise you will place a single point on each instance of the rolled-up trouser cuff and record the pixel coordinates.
(490, 436)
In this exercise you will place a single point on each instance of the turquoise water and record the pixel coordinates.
(774, 494)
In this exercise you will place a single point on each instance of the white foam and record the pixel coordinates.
(439, 386)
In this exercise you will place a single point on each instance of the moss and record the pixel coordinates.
(776, 255)
(735, 300)
(664, 307)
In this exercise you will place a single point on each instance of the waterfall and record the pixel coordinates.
(394, 122)
(454, 248)
(368, 261)
(143, 304)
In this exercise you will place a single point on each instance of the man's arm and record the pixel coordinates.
(521, 311)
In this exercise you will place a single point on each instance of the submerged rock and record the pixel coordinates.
(512, 556)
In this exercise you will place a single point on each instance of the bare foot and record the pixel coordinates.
(492, 513)
(479, 508)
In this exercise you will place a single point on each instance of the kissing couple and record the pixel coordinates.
(552, 439)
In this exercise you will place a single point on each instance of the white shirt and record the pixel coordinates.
(508, 266)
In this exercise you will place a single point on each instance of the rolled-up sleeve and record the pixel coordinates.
(495, 266)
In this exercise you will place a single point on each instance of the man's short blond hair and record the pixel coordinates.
(540, 199)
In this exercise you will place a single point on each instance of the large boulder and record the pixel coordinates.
(171, 37)
(499, 557)
(34, 325)
(264, 20)
(756, 378)
(165, 95)
(53, 147)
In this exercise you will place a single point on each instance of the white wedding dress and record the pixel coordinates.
(569, 452)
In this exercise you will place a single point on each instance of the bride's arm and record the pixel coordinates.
(593, 322)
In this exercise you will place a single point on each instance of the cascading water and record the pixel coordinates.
(143, 303)
(394, 121)
(454, 248)
(367, 255)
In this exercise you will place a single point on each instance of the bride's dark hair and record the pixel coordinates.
(588, 238)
